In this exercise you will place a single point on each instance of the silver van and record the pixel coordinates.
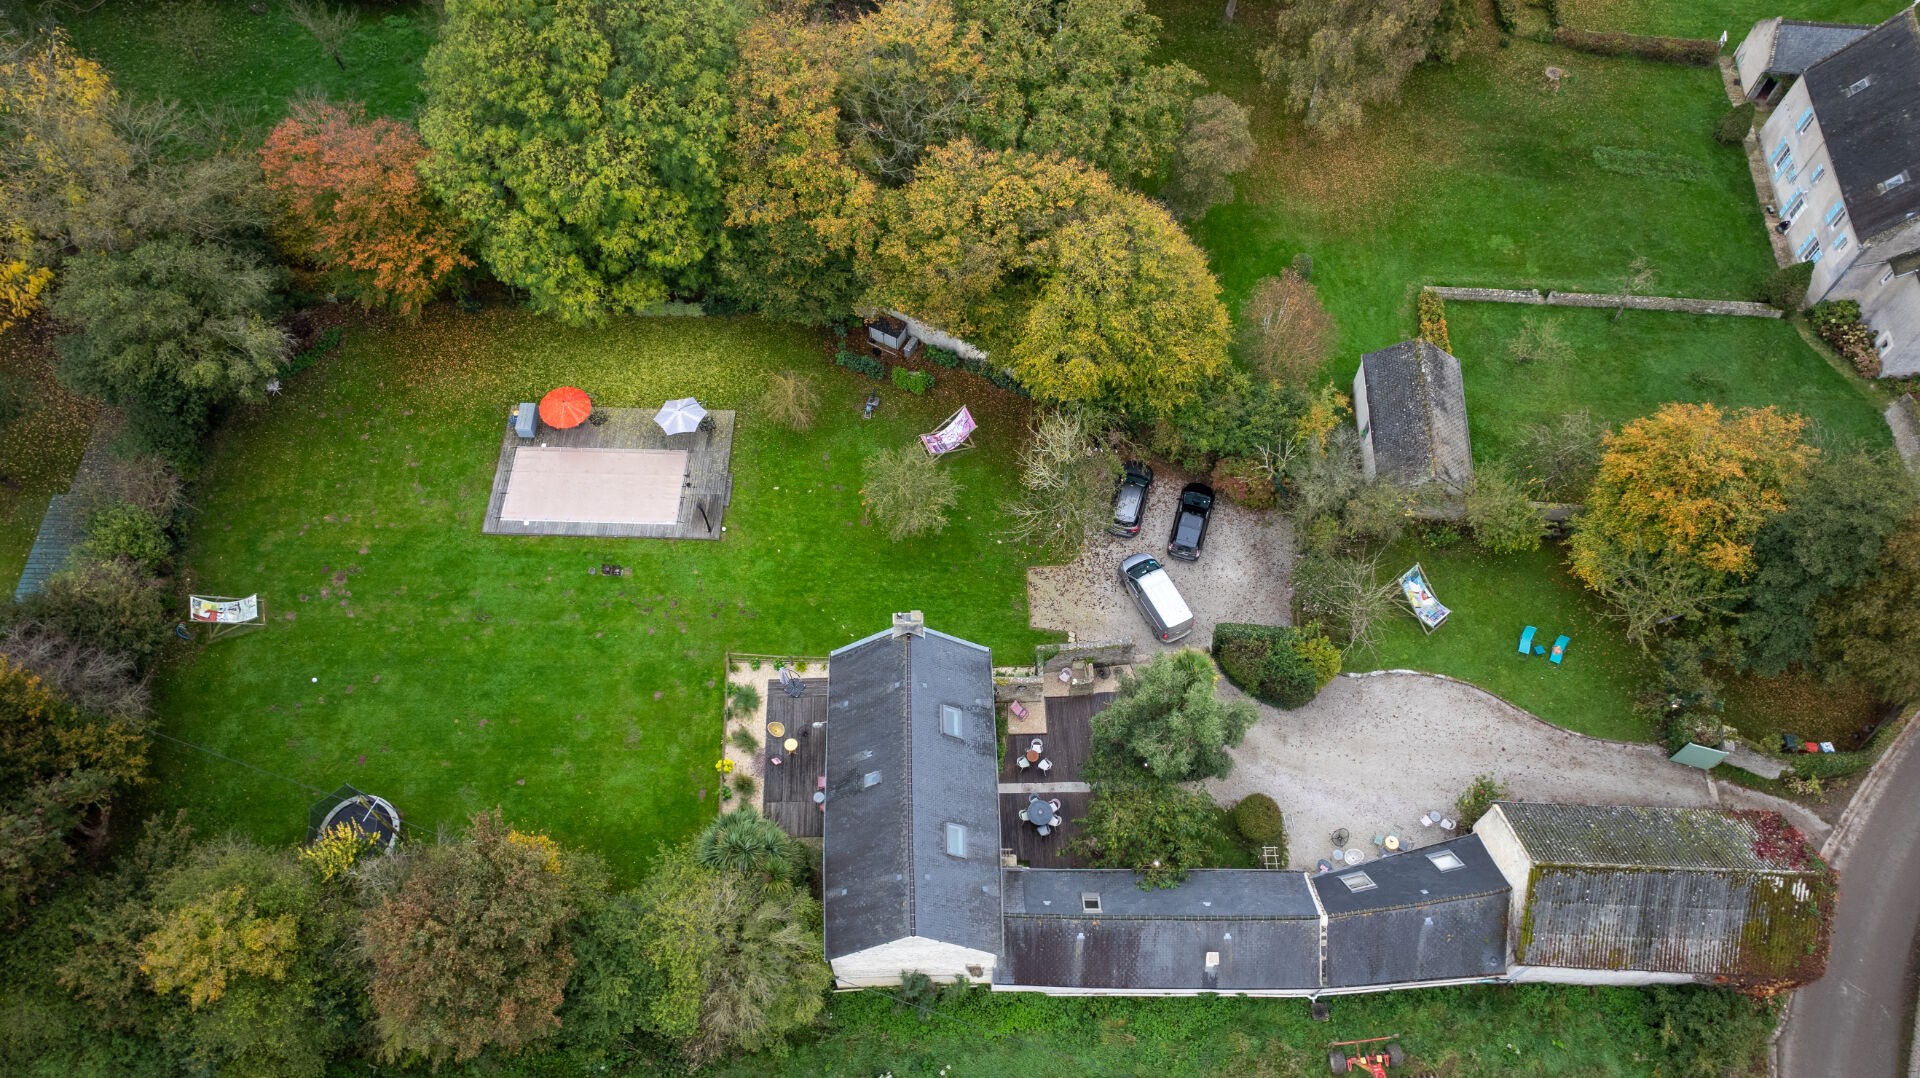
(1159, 601)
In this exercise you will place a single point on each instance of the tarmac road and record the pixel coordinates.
(1856, 1019)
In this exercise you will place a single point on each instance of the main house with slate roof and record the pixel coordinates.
(1777, 51)
(912, 836)
(914, 880)
(1411, 410)
(1625, 895)
(1843, 157)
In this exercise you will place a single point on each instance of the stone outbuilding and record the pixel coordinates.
(1410, 406)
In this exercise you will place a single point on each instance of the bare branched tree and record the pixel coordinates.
(1066, 479)
(790, 400)
(1284, 332)
(329, 25)
(1346, 596)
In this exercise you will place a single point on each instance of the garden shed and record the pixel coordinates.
(1410, 406)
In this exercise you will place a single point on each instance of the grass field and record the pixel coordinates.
(1518, 1032)
(1492, 598)
(458, 671)
(1617, 371)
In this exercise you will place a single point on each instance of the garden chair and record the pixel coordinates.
(1023, 815)
(1379, 840)
(1526, 640)
(1559, 649)
(1017, 709)
(1020, 762)
(953, 436)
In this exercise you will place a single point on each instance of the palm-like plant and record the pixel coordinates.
(746, 842)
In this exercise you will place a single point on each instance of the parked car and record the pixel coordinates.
(1190, 522)
(1159, 601)
(1130, 499)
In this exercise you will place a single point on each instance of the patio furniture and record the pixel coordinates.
(1023, 815)
(775, 761)
(1526, 640)
(1022, 762)
(820, 783)
(1017, 709)
(1426, 819)
(1418, 592)
(873, 401)
(524, 417)
(1340, 836)
(1040, 813)
(1046, 765)
(1045, 830)
(776, 729)
(681, 416)
(953, 436)
(1559, 649)
(1447, 824)
(1321, 868)
(1036, 745)
(1379, 840)
(1339, 857)
(1354, 856)
(792, 744)
(1055, 802)
(1393, 843)
(819, 798)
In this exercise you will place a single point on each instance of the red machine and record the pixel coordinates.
(1366, 1059)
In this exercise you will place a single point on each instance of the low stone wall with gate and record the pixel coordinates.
(1678, 304)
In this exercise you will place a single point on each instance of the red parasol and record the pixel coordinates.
(565, 407)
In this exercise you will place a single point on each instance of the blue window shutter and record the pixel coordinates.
(1811, 243)
(1805, 121)
(1840, 243)
(1819, 171)
(1834, 211)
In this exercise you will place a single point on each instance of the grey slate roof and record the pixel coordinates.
(1670, 890)
(1799, 45)
(60, 530)
(1417, 414)
(1262, 924)
(1875, 133)
(887, 871)
(1417, 923)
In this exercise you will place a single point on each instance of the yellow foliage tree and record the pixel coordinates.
(55, 141)
(202, 944)
(335, 851)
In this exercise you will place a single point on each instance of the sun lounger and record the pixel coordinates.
(1526, 640)
(1559, 649)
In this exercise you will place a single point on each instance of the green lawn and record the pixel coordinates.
(1492, 599)
(1480, 176)
(1620, 370)
(458, 671)
(1515, 1032)
(253, 64)
(1707, 18)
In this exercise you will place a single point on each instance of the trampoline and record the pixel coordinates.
(370, 815)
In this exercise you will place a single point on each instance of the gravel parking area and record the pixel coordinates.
(1242, 575)
(1372, 754)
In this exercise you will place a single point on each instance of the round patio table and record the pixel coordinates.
(1354, 856)
(1393, 842)
(1040, 812)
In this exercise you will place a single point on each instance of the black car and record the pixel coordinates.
(1190, 522)
(1130, 499)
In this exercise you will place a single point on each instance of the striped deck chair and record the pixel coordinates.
(954, 435)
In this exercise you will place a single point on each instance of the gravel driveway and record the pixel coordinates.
(1242, 575)
(1373, 753)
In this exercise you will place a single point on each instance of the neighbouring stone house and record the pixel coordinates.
(1410, 407)
(1778, 51)
(915, 880)
(1615, 894)
(1842, 151)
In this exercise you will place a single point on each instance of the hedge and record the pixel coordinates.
(1834, 765)
(914, 382)
(1672, 50)
(1786, 287)
(1272, 663)
(1733, 127)
(1433, 320)
(943, 357)
(859, 364)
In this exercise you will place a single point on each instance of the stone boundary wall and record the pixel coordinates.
(1735, 307)
(1050, 658)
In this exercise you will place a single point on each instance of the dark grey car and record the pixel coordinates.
(1130, 499)
(1190, 522)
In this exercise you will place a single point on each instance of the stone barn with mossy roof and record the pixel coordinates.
(1616, 894)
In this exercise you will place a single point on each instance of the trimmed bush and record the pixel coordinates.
(109, 605)
(1275, 664)
(1258, 820)
(1734, 125)
(1786, 287)
(1671, 50)
(1481, 793)
(126, 531)
(1241, 482)
(1433, 320)
(914, 382)
(943, 357)
(860, 364)
(1838, 323)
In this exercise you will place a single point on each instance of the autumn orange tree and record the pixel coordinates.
(352, 200)
(1671, 518)
(796, 206)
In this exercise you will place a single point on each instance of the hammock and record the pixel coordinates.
(954, 435)
(1413, 584)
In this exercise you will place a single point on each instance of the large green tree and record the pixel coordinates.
(469, 942)
(731, 961)
(169, 330)
(1335, 57)
(1075, 79)
(583, 140)
(1167, 719)
(60, 770)
(797, 209)
(912, 76)
(1157, 829)
(1870, 630)
(1086, 292)
(1828, 539)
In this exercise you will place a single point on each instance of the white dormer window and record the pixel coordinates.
(951, 720)
(1858, 86)
(1893, 181)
